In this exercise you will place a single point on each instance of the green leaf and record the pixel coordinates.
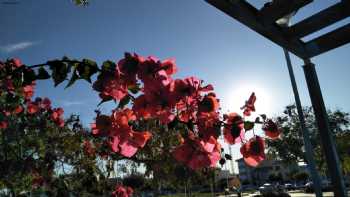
(59, 70)
(108, 66)
(72, 79)
(28, 76)
(86, 69)
(105, 100)
(42, 74)
(124, 101)
(134, 88)
(248, 125)
(257, 120)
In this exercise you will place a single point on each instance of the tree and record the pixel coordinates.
(290, 147)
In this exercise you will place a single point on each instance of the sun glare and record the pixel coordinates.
(241, 93)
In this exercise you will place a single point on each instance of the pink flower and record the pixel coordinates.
(88, 149)
(102, 126)
(253, 151)
(196, 153)
(32, 108)
(28, 91)
(208, 125)
(271, 129)
(45, 103)
(129, 67)
(122, 191)
(56, 116)
(209, 104)
(233, 128)
(3, 124)
(249, 105)
(169, 66)
(110, 86)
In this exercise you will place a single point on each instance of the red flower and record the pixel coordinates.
(122, 137)
(3, 124)
(209, 103)
(249, 105)
(28, 91)
(56, 116)
(128, 142)
(169, 66)
(122, 191)
(233, 128)
(141, 107)
(88, 149)
(208, 125)
(16, 62)
(45, 103)
(253, 151)
(196, 153)
(32, 108)
(271, 129)
(129, 67)
(102, 126)
(111, 86)
(18, 109)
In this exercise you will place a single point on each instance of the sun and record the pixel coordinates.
(241, 92)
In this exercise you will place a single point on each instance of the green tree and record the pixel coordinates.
(290, 147)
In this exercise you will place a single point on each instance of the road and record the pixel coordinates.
(292, 194)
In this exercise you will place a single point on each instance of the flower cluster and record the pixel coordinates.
(122, 191)
(10, 89)
(121, 136)
(163, 98)
(156, 95)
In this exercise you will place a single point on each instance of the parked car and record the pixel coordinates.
(266, 188)
(325, 186)
(289, 186)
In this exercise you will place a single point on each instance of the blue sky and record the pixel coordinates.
(205, 42)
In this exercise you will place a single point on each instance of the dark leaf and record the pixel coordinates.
(228, 157)
(248, 125)
(125, 100)
(222, 161)
(59, 70)
(108, 66)
(86, 69)
(134, 89)
(28, 76)
(257, 120)
(42, 74)
(263, 116)
(72, 79)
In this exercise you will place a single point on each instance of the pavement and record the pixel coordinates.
(292, 194)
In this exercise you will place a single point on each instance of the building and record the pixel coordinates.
(267, 171)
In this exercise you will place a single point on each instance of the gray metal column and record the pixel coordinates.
(327, 140)
(306, 136)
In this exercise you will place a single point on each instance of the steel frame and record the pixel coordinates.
(263, 21)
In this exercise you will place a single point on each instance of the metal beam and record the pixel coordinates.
(329, 41)
(320, 20)
(327, 140)
(270, 13)
(248, 15)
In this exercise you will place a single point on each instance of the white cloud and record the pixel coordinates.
(17, 46)
(71, 103)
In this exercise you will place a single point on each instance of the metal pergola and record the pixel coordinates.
(263, 21)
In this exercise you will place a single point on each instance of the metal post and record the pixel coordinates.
(328, 144)
(306, 136)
